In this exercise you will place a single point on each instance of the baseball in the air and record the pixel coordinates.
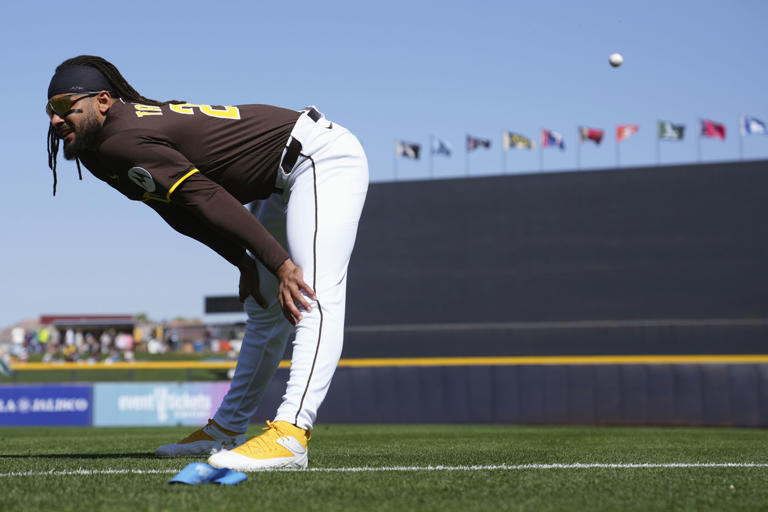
(615, 59)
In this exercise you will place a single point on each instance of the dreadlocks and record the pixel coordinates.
(122, 90)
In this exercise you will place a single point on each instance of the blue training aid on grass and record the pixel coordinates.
(201, 473)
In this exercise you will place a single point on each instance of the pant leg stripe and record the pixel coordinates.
(314, 287)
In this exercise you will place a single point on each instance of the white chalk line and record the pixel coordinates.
(497, 467)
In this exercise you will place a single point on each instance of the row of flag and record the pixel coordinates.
(666, 130)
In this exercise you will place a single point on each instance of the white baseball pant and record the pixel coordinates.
(316, 218)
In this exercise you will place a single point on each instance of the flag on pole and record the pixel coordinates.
(712, 129)
(517, 141)
(474, 143)
(593, 134)
(407, 150)
(669, 131)
(552, 139)
(440, 147)
(752, 126)
(625, 131)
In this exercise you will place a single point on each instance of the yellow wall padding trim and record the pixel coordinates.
(420, 361)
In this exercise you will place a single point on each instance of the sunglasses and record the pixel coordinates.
(62, 106)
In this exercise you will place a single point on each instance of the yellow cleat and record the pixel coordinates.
(282, 445)
(204, 441)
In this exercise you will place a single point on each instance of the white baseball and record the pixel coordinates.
(615, 59)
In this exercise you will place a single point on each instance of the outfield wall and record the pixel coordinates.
(670, 259)
(647, 261)
(613, 394)
(584, 394)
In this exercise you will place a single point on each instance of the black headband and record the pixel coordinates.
(74, 79)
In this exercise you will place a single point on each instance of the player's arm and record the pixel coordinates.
(189, 225)
(165, 175)
(176, 217)
(169, 176)
(217, 208)
(223, 213)
(192, 227)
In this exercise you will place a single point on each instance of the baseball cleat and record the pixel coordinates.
(283, 446)
(205, 441)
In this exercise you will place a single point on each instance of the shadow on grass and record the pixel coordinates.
(143, 455)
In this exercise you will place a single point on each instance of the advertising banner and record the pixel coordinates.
(45, 405)
(156, 403)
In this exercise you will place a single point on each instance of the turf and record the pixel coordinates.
(365, 446)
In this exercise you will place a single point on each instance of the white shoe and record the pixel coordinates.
(283, 445)
(205, 441)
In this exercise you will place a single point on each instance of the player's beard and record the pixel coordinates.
(86, 136)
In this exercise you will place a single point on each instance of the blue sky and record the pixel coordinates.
(389, 70)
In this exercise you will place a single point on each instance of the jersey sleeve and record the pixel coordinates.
(168, 177)
(223, 213)
(189, 225)
(150, 162)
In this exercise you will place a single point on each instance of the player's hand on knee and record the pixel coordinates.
(293, 291)
(249, 281)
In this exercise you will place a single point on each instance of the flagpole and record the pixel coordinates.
(578, 155)
(395, 160)
(741, 147)
(698, 143)
(658, 143)
(618, 156)
(541, 159)
(503, 158)
(741, 137)
(541, 154)
(431, 156)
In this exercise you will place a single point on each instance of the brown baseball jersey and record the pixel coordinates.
(196, 165)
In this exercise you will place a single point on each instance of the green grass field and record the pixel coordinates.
(113, 469)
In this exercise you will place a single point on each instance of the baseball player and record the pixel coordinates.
(197, 165)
